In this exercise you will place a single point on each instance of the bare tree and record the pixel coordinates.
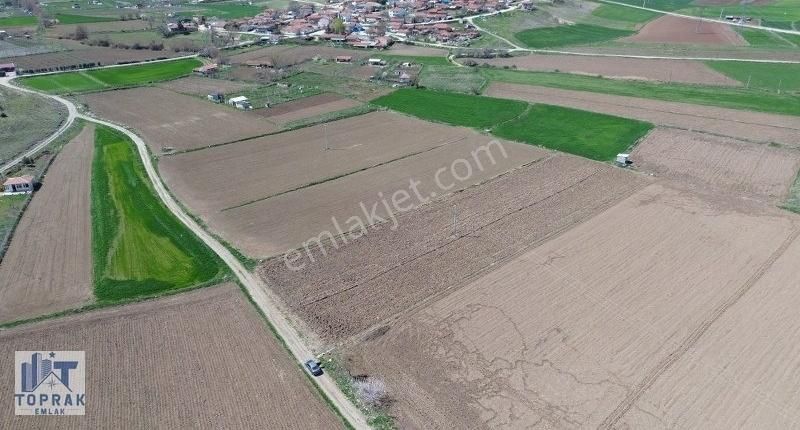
(372, 392)
(81, 33)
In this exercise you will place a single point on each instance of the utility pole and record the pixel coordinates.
(748, 81)
(780, 84)
(327, 143)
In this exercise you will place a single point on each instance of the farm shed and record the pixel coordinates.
(206, 69)
(18, 184)
(240, 102)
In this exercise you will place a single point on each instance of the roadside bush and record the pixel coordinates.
(372, 392)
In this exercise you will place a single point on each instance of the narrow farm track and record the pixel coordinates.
(254, 285)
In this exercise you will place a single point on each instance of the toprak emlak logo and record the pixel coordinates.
(49, 382)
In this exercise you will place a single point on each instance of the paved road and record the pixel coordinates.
(254, 285)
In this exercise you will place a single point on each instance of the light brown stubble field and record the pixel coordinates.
(284, 222)
(673, 29)
(48, 266)
(367, 283)
(202, 359)
(168, 119)
(705, 161)
(562, 335)
(262, 167)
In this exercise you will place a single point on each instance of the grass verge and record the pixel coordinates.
(138, 246)
(733, 98)
(65, 18)
(792, 202)
(563, 35)
(108, 78)
(378, 419)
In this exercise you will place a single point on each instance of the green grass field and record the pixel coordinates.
(775, 10)
(452, 108)
(231, 10)
(449, 78)
(29, 119)
(588, 134)
(761, 75)
(415, 59)
(667, 5)
(64, 18)
(139, 248)
(18, 21)
(564, 35)
(115, 77)
(764, 39)
(734, 98)
(625, 14)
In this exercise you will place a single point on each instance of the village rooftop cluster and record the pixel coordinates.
(369, 24)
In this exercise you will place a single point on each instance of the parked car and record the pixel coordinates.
(313, 367)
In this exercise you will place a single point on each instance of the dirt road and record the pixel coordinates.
(254, 285)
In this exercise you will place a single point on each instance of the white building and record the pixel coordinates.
(240, 102)
(20, 184)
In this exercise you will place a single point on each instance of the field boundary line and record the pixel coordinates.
(694, 336)
(344, 175)
(449, 241)
(519, 251)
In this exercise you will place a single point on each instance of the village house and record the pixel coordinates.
(18, 184)
(8, 69)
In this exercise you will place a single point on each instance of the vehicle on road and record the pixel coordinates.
(313, 367)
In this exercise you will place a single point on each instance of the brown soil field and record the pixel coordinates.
(742, 373)
(367, 282)
(307, 107)
(168, 119)
(284, 222)
(752, 126)
(203, 359)
(48, 266)
(282, 162)
(694, 72)
(200, 86)
(673, 29)
(296, 54)
(734, 167)
(94, 54)
(567, 332)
